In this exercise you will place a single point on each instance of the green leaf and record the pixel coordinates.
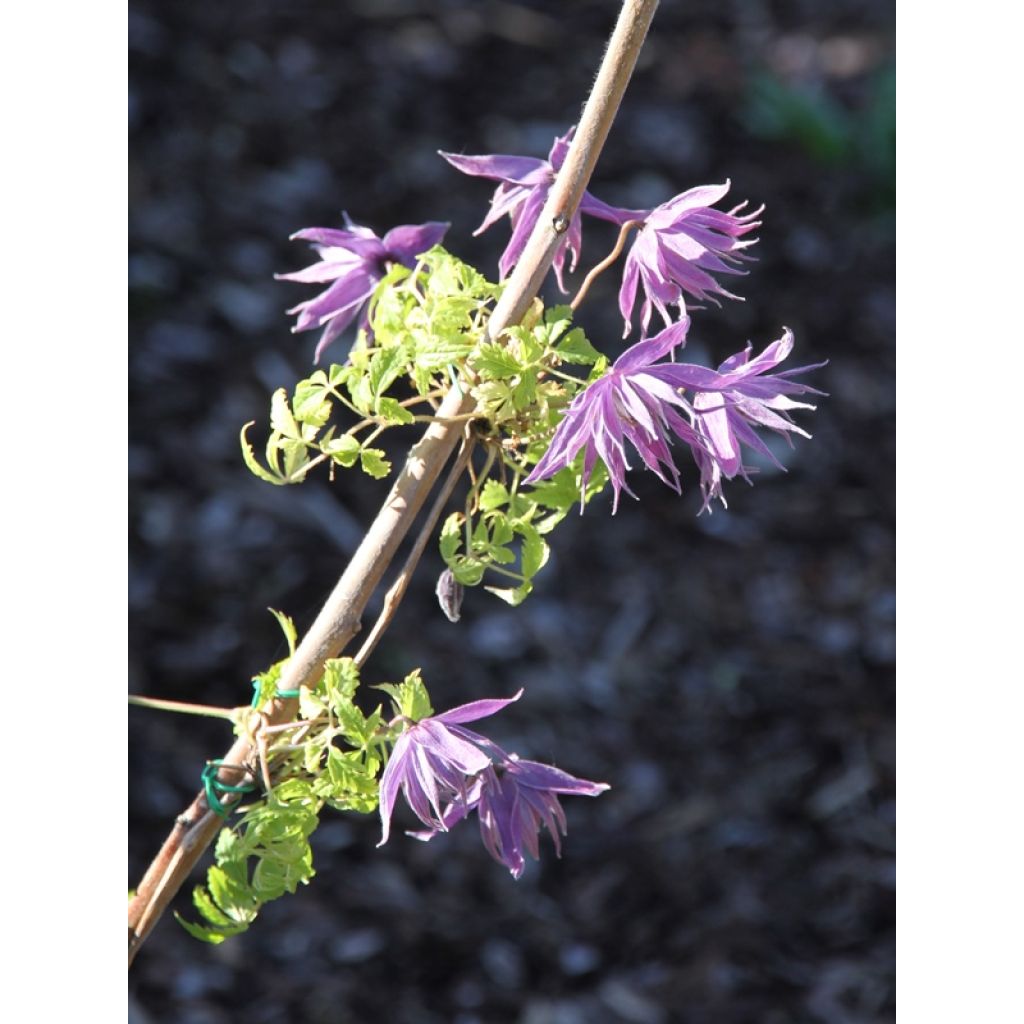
(343, 450)
(493, 495)
(512, 595)
(214, 937)
(373, 463)
(249, 456)
(467, 570)
(232, 894)
(494, 398)
(495, 362)
(311, 404)
(525, 392)
(204, 903)
(393, 412)
(451, 536)
(287, 627)
(535, 549)
(410, 696)
(341, 680)
(501, 529)
(574, 348)
(386, 367)
(296, 459)
(281, 418)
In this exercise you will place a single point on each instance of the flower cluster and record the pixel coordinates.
(637, 401)
(681, 249)
(446, 772)
(677, 248)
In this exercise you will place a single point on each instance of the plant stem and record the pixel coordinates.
(394, 596)
(605, 263)
(208, 710)
(339, 619)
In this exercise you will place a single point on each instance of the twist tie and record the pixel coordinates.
(280, 693)
(214, 788)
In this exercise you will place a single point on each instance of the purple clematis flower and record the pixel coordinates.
(523, 190)
(514, 799)
(730, 403)
(679, 246)
(434, 761)
(637, 399)
(629, 403)
(354, 260)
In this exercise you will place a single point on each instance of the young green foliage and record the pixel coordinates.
(333, 757)
(428, 335)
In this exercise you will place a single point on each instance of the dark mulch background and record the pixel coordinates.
(731, 676)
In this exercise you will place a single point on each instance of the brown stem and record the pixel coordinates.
(338, 620)
(604, 264)
(393, 598)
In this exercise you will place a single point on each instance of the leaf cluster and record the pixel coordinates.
(331, 756)
(425, 323)
(428, 334)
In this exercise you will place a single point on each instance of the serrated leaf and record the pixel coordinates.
(343, 450)
(281, 418)
(312, 756)
(501, 528)
(310, 704)
(467, 570)
(287, 627)
(204, 903)
(296, 459)
(311, 404)
(215, 938)
(336, 375)
(410, 696)
(451, 536)
(574, 348)
(393, 412)
(231, 894)
(493, 495)
(494, 399)
(361, 393)
(386, 366)
(249, 456)
(341, 679)
(495, 362)
(525, 392)
(353, 724)
(535, 550)
(437, 351)
(501, 555)
(373, 463)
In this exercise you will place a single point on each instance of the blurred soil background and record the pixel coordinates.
(731, 676)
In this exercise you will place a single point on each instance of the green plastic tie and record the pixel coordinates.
(213, 787)
(284, 694)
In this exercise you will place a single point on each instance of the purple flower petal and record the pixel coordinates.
(354, 260)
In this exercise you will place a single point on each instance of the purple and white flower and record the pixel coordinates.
(434, 761)
(629, 403)
(637, 401)
(681, 243)
(354, 260)
(437, 760)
